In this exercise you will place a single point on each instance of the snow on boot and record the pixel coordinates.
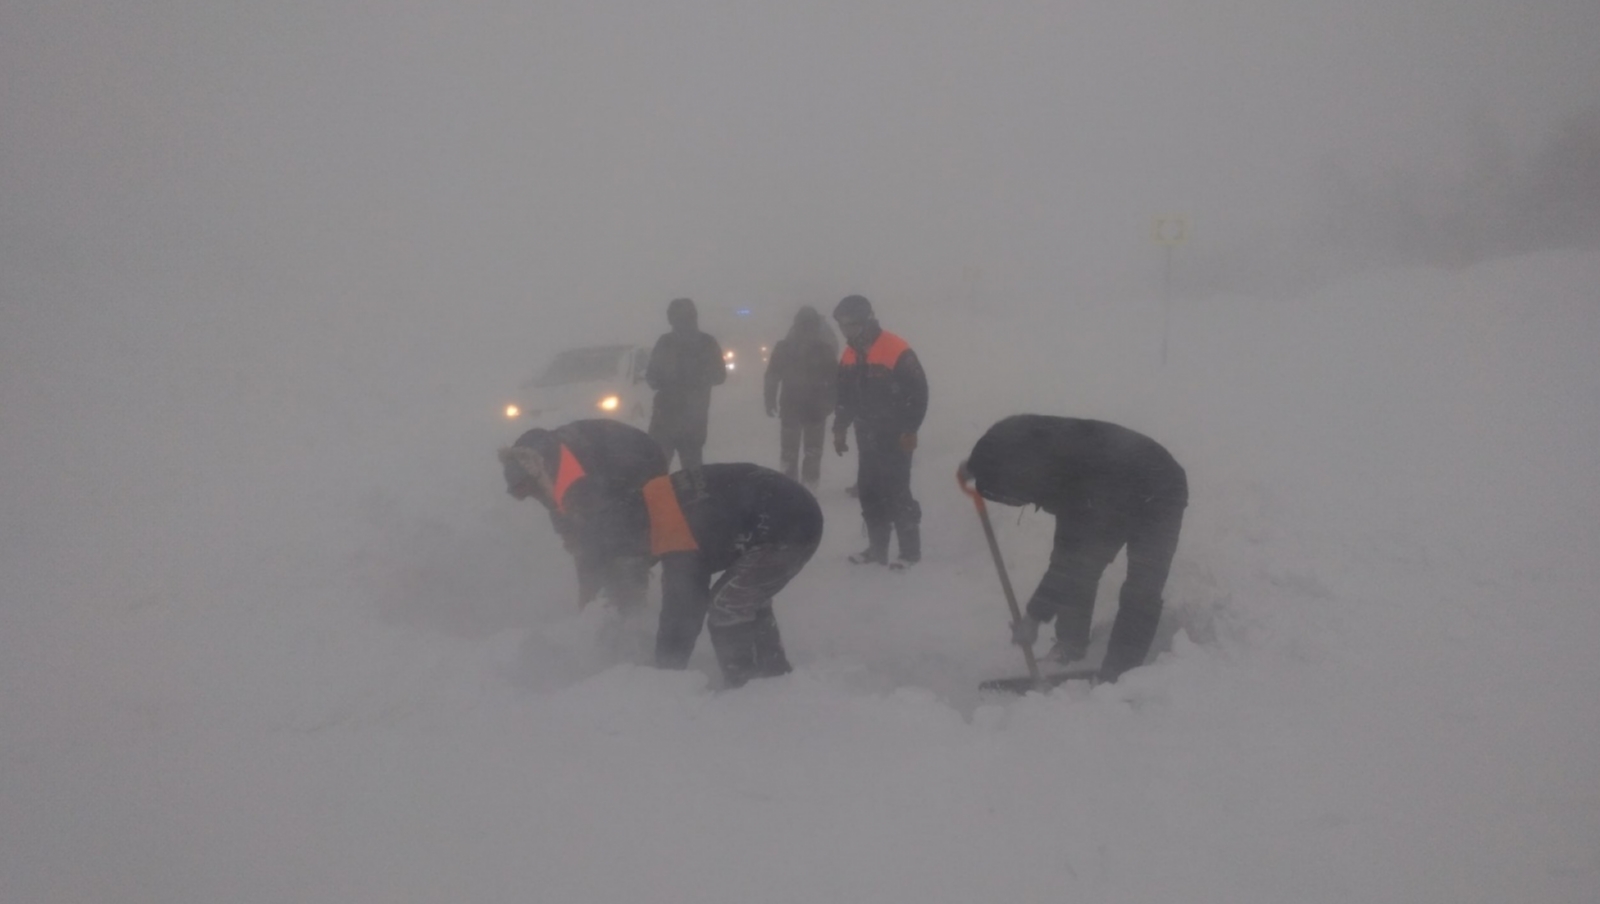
(1065, 652)
(877, 551)
(870, 556)
(750, 650)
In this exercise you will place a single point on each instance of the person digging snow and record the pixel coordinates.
(1108, 487)
(586, 463)
(752, 525)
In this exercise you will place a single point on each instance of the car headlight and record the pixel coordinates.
(513, 412)
(610, 403)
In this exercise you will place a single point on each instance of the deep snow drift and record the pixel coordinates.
(326, 659)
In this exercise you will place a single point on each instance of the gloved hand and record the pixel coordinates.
(841, 443)
(908, 442)
(1026, 632)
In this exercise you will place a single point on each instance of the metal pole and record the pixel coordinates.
(1166, 304)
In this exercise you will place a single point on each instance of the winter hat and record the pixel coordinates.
(807, 322)
(681, 314)
(853, 308)
(525, 459)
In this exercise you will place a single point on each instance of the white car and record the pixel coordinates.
(594, 381)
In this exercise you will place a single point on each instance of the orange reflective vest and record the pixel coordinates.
(567, 474)
(669, 529)
(885, 351)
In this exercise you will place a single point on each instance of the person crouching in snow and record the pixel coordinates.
(1108, 487)
(752, 525)
(587, 463)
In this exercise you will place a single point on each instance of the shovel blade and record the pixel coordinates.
(1024, 684)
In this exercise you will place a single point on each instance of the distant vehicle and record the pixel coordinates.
(593, 381)
(746, 339)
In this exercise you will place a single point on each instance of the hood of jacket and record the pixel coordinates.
(683, 316)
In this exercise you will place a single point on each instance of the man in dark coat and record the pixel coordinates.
(884, 394)
(596, 460)
(684, 365)
(800, 390)
(1108, 487)
(751, 524)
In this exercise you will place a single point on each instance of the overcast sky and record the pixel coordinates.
(399, 192)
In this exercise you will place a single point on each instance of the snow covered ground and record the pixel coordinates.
(261, 647)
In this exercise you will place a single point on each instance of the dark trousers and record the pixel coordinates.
(687, 444)
(1083, 548)
(736, 610)
(795, 434)
(680, 426)
(883, 479)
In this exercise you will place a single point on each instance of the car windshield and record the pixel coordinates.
(583, 365)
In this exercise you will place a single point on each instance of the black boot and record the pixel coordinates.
(910, 544)
(771, 661)
(877, 551)
(750, 650)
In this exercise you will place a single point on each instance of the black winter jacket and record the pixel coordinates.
(684, 365)
(617, 460)
(612, 452)
(728, 508)
(882, 388)
(1075, 467)
(802, 379)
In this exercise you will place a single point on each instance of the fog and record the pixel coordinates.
(368, 203)
(238, 240)
(476, 172)
(267, 273)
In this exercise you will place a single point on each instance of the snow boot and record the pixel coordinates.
(877, 551)
(910, 534)
(751, 650)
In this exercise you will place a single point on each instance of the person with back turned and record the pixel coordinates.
(684, 365)
(800, 390)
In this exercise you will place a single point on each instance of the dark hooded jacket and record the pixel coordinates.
(803, 373)
(684, 365)
(727, 508)
(611, 453)
(615, 459)
(1076, 468)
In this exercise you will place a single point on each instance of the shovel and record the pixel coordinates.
(1033, 680)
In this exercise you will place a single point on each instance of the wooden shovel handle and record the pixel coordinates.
(964, 480)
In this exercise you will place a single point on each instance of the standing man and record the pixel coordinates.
(801, 389)
(884, 393)
(598, 460)
(684, 365)
(1108, 487)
